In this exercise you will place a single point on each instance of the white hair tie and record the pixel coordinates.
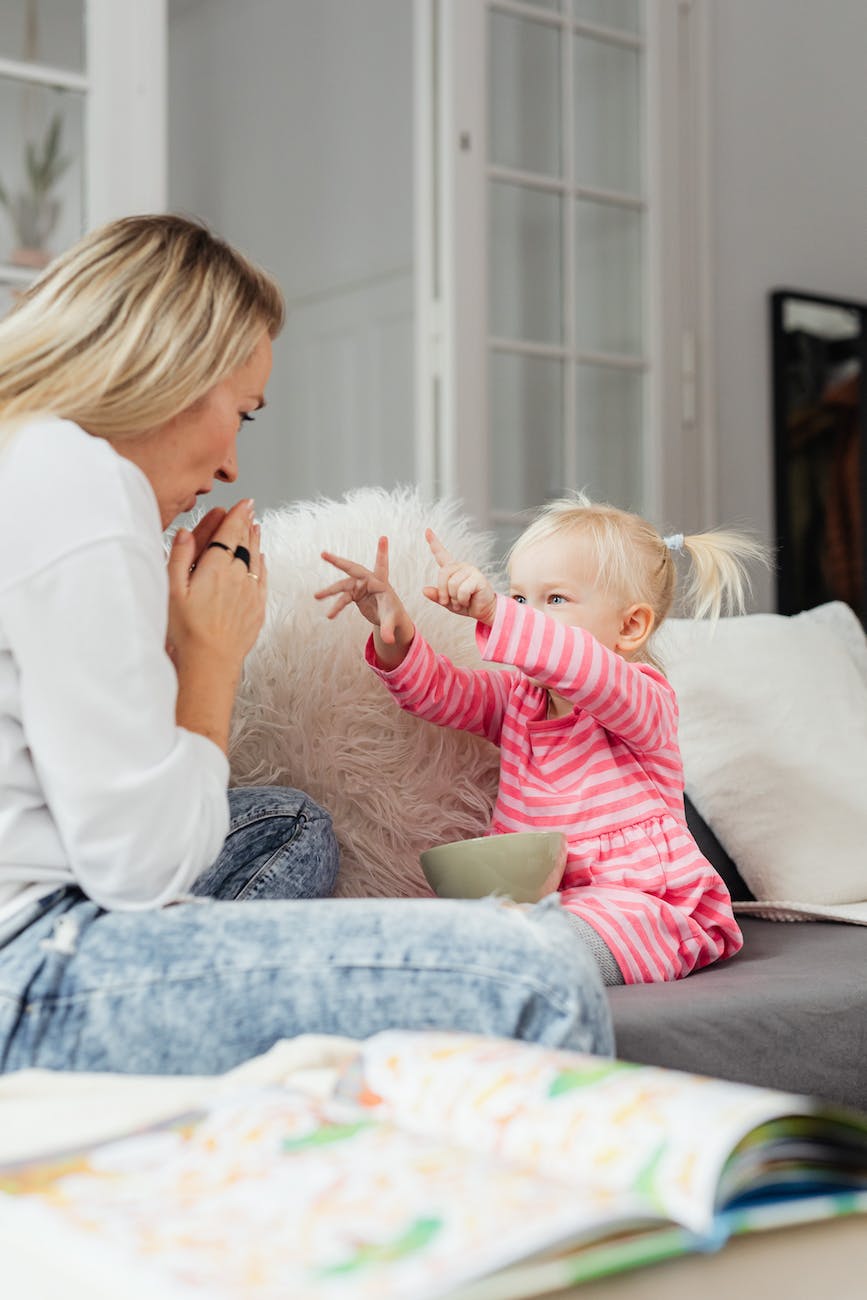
(674, 543)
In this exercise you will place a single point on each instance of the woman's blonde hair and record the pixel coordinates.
(638, 565)
(133, 324)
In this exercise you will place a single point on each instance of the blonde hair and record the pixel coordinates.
(637, 564)
(133, 324)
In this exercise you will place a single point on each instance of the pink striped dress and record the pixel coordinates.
(609, 774)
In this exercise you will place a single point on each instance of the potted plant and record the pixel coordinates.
(34, 210)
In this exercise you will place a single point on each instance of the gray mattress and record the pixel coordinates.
(789, 1011)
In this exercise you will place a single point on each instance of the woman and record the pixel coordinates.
(139, 929)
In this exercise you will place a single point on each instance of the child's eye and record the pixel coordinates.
(520, 600)
(247, 417)
(555, 599)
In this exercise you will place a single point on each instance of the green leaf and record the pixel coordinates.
(415, 1237)
(569, 1080)
(325, 1135)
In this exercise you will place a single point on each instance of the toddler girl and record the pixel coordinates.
(587, 726)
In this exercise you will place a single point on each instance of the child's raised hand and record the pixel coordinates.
(377, 600)
(461, 588)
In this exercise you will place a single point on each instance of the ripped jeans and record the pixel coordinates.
(259, 955)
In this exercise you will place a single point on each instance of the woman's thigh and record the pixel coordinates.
(199, 987)
(280, 845)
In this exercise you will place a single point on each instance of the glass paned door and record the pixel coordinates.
(563, 256)
(566, 254)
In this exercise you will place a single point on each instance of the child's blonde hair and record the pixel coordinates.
(637, 563)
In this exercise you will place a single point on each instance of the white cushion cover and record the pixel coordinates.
(773, 730)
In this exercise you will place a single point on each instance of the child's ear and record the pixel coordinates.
(636, 626)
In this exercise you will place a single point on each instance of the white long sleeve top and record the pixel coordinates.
(98, 785)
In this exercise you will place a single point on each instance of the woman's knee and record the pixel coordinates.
(304, 855)
(505, 970)
(320, 846)
(570, 1001)
(281, 844)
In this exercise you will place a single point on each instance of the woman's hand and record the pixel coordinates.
(202, 535)
(216, 611)
(461, 588)
(377, 600)
(206, 529)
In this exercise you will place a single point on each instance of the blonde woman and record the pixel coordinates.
(140, 928)
(587, 726)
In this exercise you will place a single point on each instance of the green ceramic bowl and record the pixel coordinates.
(525, 866)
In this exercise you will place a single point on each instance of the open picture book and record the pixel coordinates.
(438, 1164)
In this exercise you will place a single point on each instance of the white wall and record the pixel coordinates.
(291, 133)
(789, 168)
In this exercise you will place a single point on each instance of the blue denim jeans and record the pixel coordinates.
(201, 985)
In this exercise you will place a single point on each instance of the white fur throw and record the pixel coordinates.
(311, 714)
(773, 731)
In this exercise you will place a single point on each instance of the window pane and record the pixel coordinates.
(38, 220)
(623, 15)
(525, 270)
(524, 94)
(43, 31)
(526, 406)
(610, 409)
(608, 298)
(607, 116)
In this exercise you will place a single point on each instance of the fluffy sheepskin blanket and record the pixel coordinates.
(311, 714)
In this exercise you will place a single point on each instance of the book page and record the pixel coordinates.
(277, 1194)
(647, 1141)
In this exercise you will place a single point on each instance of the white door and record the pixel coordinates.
(83, 113)
(559, 254)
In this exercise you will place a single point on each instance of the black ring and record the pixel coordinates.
(241, 553)
(222, 546)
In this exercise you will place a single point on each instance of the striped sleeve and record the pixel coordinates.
(430, 686)
(630, 700)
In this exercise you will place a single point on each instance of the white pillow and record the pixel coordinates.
(773, 731)
(311, 714)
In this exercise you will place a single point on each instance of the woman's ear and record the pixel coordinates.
(636, 626)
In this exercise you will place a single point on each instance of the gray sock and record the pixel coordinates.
(608, 968)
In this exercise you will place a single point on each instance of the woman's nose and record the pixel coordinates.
(228, 471)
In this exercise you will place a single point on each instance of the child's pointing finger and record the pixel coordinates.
(440, 554)
(348, 566)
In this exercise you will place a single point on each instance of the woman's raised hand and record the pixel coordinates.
(217, 590)
(377, 600)
(461, 588)
(216, 599)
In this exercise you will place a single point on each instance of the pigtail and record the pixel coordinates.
(719, 580)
